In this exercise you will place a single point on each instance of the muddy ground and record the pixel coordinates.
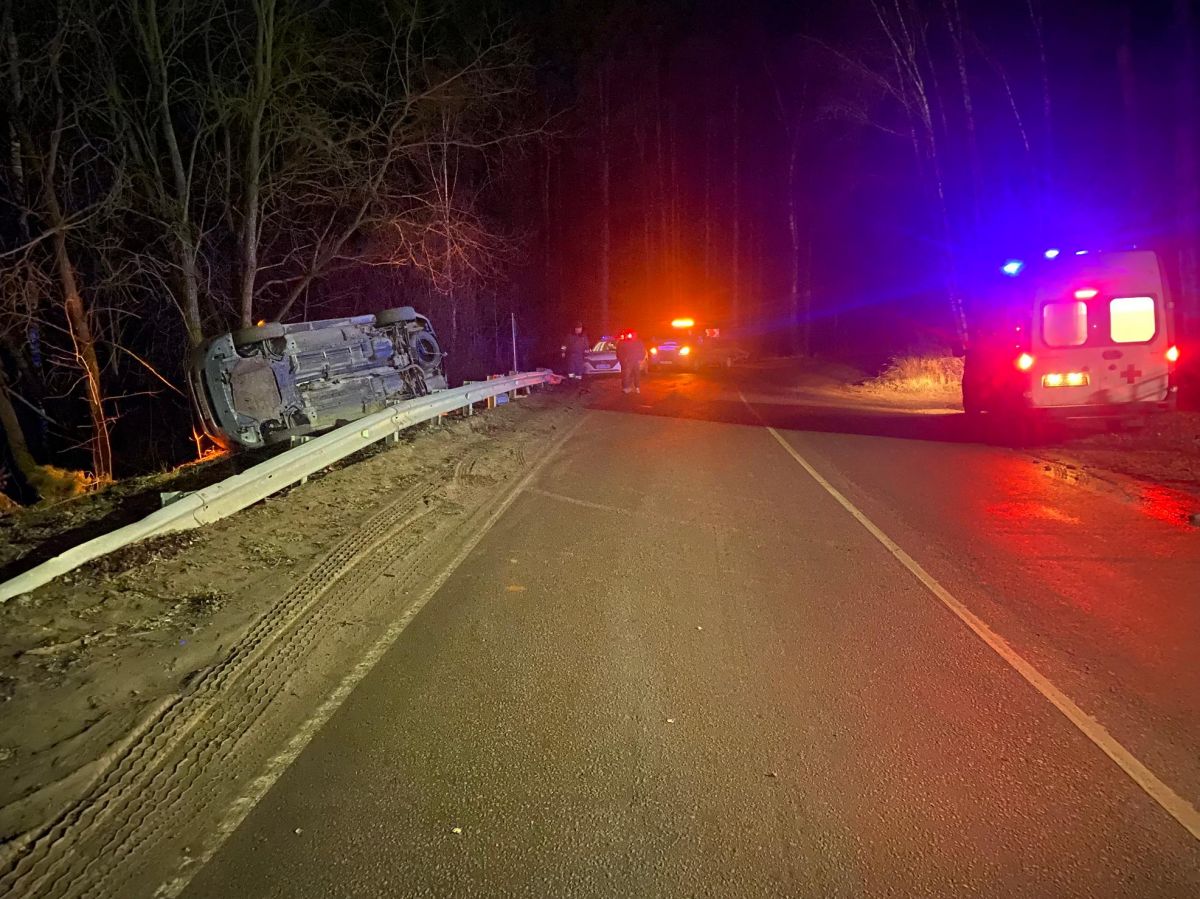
(86, 657)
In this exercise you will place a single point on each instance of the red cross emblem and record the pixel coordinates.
(1132, 373)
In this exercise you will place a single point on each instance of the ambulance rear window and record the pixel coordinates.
(1131, 319)
(1064, 324)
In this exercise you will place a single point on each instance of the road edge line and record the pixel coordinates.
(260, 785)
(1166, 798)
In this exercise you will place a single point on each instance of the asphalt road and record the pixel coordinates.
(679, 666)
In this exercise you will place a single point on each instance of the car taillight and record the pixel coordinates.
(684, 350)
(1173, 354)
(653, 351)
(1024, 362)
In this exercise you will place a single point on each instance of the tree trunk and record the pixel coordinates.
(647, 212)
(661, 197)
(547, 255)
(180, 201)
(605, 201)
(954, 22)
(1047, 161)
(1135, 207)
(708, 249)
(14, 436)
(46, 481)
(85, 352)
(1187, 187)
(735, 309)
(673, 168)
(264, 60)
(798, 317)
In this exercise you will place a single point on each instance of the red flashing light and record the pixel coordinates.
(1173, 354)
(1024, 362)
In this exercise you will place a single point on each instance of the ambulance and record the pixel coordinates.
(1076, 335)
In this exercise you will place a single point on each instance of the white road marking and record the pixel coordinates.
(1170, 801)
(282, 760)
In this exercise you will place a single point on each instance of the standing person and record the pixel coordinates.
(631, 352)
(573, 351)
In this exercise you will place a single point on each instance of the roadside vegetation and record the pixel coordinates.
(919, 372)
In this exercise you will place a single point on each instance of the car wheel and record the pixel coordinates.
(425, 351)
(396, 316)
(244, 337)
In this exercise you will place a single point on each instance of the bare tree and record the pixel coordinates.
(602, 77)
(169, 154)
(736, 266)
(795, 112)
(72, 172)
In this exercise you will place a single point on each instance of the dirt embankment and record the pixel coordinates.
(87, 657)
(1165, 451)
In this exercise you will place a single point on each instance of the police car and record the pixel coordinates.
(601, 359)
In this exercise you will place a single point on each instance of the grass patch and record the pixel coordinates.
(920, 373)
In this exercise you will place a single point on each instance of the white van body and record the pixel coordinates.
(1102, 335)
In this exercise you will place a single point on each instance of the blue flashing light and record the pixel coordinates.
(1012, 268)
(1051, 253)
(1081, 252)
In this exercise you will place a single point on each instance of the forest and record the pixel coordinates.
(826, 178)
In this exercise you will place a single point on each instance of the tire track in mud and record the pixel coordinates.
(223, 721)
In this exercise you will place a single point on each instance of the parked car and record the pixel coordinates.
(692, 348)
(601, 359)
(274, 382)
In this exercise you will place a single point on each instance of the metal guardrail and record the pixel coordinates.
(235, 493)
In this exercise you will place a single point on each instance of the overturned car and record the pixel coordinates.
(267, 384)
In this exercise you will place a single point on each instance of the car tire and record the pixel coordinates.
(244, 337)
(396, 315)
(426, 352)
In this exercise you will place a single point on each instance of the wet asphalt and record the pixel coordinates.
(678, 667)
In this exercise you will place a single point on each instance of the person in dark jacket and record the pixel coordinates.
(573, 351)
(631, 352)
